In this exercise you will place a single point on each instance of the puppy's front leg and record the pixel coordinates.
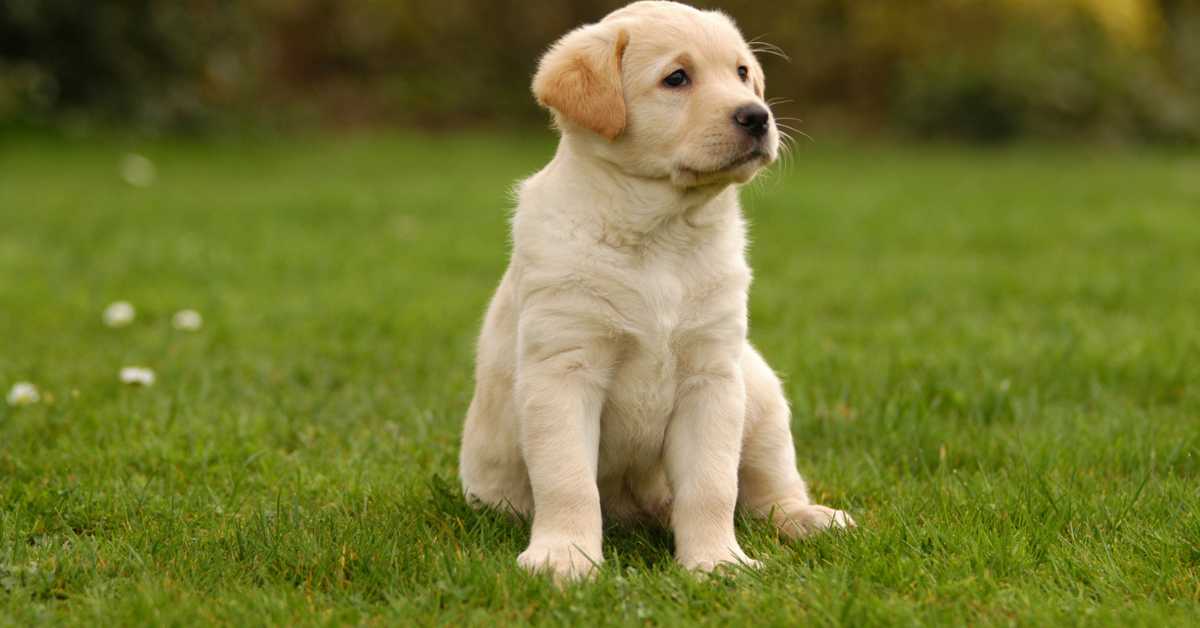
(702, 450)
(560, 392)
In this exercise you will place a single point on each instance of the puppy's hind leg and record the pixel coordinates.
(491, 466)
(769, 486)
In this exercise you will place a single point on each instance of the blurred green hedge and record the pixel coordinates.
(965, 69)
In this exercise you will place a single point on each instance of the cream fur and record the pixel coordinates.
(614, 378)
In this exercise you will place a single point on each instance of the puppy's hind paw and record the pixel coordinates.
(811, 519)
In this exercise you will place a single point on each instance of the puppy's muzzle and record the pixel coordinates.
(752, 119)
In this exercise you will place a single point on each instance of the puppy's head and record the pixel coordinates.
(662, 91)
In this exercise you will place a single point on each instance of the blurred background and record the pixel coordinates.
(972, 70)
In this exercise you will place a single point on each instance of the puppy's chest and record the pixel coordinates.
(673, 315)
(664, 305)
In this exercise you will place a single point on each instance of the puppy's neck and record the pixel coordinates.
(633, 205)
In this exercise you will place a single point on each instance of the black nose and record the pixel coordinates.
(753, 119)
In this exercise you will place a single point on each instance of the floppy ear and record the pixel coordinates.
(580, 78)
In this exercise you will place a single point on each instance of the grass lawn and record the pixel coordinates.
(993, 359)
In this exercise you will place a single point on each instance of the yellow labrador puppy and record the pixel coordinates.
(614, 377)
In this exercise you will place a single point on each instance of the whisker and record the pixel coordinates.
(782, 121)
(760, 43)
(793, 129)
(757, 45)
(768, 51)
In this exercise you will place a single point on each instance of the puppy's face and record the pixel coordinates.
(663, 91)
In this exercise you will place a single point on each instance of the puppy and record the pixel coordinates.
(614, 378)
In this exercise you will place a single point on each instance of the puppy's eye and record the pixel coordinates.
(678, 78)
(743, 73)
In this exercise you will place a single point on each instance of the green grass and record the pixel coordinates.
(993, 357)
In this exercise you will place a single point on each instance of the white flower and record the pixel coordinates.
(137, 171)
(187, 320)
(119, 314)
(137, 376)
(23, 394)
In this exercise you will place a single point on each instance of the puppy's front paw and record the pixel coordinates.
(705, 562)
(563, 560)
(811, 519)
